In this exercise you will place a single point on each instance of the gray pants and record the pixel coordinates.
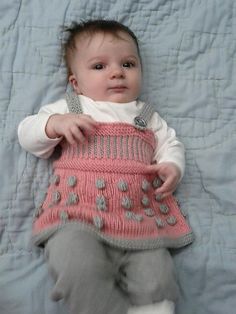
(93, 277)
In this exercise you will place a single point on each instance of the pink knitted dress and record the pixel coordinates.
(102, 186)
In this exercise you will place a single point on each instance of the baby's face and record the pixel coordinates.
(107, 68)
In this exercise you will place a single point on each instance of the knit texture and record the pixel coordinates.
(102, 185)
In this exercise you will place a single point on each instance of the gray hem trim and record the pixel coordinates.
(132, 244)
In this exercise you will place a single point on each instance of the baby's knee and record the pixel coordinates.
(156, 282)
(155, 290)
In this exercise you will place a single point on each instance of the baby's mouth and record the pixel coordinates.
(118, 88)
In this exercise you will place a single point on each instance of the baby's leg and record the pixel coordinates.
(83, 275)
(149, 277)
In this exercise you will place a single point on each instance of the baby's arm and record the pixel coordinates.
(31, 130)
(39, 134)
(169, 157)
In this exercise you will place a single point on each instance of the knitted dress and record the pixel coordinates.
(102, 186)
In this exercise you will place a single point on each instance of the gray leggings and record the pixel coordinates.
(93, 277)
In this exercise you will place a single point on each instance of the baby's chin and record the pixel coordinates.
(117, 99)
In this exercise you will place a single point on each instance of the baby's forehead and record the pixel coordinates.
(88, 38)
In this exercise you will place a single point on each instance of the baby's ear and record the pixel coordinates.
(73, 81)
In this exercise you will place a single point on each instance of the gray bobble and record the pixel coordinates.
(100, 184)
(159, 222)
(138, 217)
(164, 209)
(171, 220)
(101, 203)
(126, 202)
(98, 222)
(145, 185)
(73, 199)
(149, 212)
(158, 197)
(131, 215)
(56, 197)
(145, 201)
(72, 181)
(156, 183)
(55, 179)
(122, 186)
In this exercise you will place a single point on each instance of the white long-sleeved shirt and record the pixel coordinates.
(33, 138)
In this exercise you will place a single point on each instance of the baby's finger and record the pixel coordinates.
(164, 195)
(87, 124)
(165, 188)
(77, 134)
(69, 138)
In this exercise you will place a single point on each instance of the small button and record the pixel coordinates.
(140, 123)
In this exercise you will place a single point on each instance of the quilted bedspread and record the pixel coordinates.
(188, 49)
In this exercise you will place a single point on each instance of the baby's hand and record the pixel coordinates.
(170, 174)
(72, 127)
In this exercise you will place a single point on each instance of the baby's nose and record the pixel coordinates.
(117, 72)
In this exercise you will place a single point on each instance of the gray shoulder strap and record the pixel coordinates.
(73, 103)
(141, 121)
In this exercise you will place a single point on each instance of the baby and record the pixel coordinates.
(109, 216)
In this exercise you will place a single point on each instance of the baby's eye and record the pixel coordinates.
(98, 66)
(128, 64)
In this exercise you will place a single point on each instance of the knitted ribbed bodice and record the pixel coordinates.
(102, 185)
(113, 147)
